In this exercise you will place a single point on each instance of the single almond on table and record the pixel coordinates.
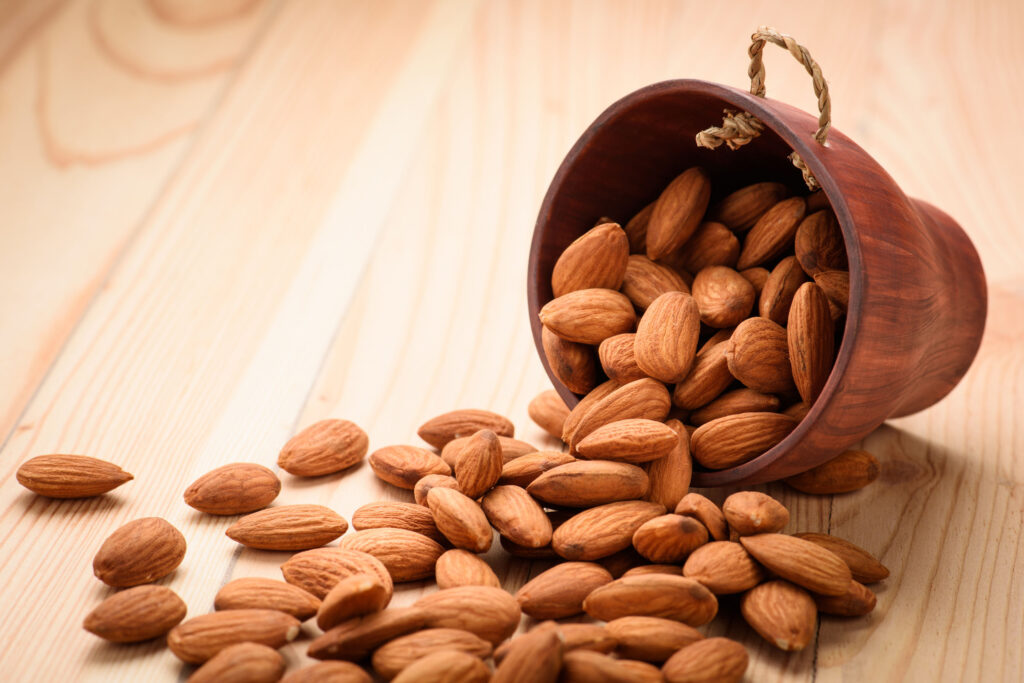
(757, 277)
(669, 539)
(712, 245)
(710, 515)
(758, 356)
(856, 602)
(357, 638)
(811, 341)
(779, 289)
(673, 569)
(403, 466)
(646, 280)
(848, 471)
(586, 483)
(70, 476)
(571, 362)
(407, 555)
(353, 596)
(200, 638)
(439, 430)
(724, 567)
(241, 663)
(736, 439)
(773, 233)
(636, 229)
(708, 378)
(460, 519)
(234, 489)
(801, 562)
(670, 476)
(328, 672)
(632, 440)
(576, 415)
(863, 565)
(478, 464)
(319, 570)
(753, 512)
(819, 244)
(783, 614)
(396, 515)
(618, 358)
(712, 660)
(517, 516)
(597, 259)
(583, 666)
(423, 486)
(444, 666)
(651, 639)
(741, 209)
(548, 411)
(677, 212)
(522, 471)
(324, 447)
(458, 567)
(646, 399)
(736, 401)
(666, 338)
(510, 448)
(488, 612)
(259, 593)
(653, 595)
(142, 551)
(559, 592)
(136, 614)
(288, 527)
(534, 657)
(392, 658)
(723, 296)
(603, 530)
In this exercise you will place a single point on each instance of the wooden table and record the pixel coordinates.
(225, 220)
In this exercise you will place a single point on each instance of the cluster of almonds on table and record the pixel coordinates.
(726, 318)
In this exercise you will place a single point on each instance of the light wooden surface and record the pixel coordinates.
(225, 220)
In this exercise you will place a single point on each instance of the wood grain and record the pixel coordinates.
(336, 223)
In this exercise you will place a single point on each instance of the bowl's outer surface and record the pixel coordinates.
(917, 290)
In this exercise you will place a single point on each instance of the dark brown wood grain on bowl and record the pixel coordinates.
(917, 289)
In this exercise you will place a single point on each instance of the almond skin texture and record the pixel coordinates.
(741, 209)
(329, 672)
(458, 567)
(392, 658)
(522, 471)
(779, 289)
(811, 341)
(670, 476)
(863, 565)
(857, 602)
(70, 476)
(666, 338)
(478, 464)
(646, 399)
(438, 431)
(572, 363)
(403, 466)
(589, 483)
(548, 411)
(407, 555)
(710, 515)
(641, 672)
(395, 515)
(142, 551)
(584, 666)
(136, 614)
(241, 663)
(736, 439)
(576, 415)
(319, 570)
(723, 296)
(597, 259)
(460, 519)
(430, 481)
(712, 245)
(724, 567)
(650, 639)
(510, 448)
(712, 660)
(288, 527)
(782, 613)
(353, 596)
(592, 637)
(357, 638)
(490, 613)
(848, 471)
(534, 657)
(735, 401)
(678, 212)
(445, 666)
(819, 244)
(836, 285)
(758, 356)
(602, 531)
(709, 377)
(517, 516)
(632, 440)
(801, 562)
(653, 595)
(202, 637)
(560, 591)
(259, 593)
(669, 539)
(589, 316)
(618, 358)
(324, 447)
(646, 280)
(773, 233)
(234, 489)
(753, 512)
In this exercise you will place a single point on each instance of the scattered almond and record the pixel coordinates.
(710, 515)
(603, 530)
(234, 489)
(510, 448)
(392, 658)
(782, 613)
(319, 570)
(458, 567)
(288, 527)
(460, 519)
(535, 657)
(478, 464)
(357, 638)
(800, 562)
(618, 358)
(445, 666)
(597, 259)
(403, 466)
(522, 471)
(559, 592)
(353, 596)
(863, 565)
(856, 602)
(142, 551)
(517, 516)
(488, 612)
(724, 567)
(753, 512)
(439, 430)
(548, 411)
(241, 663)
(200, 638)
(407, 555)
(670, 475)
(260, 593)
(586, 483)
(324, 447)
(651, 639)
(631, 440)
(396, 515)
(669, 538)
(70, 476)
(712, 660)
(653, 595)
(848, 471)
(136, 614)
(423, 486)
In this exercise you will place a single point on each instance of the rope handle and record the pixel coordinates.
(739, 128)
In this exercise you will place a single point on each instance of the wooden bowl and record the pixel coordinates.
(917, 290)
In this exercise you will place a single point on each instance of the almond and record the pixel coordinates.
(200, 638)
(517, 516)
(324, 447)
(646, 280)
(460, 519)
(741, 209)
(712, 245)
(672, 569)
(848, 471)
(458, 567)
(710, 515)
(603, 530)
(439, 430)
(357, 638)
(136, 614)
(651, 639)
(589, 316)
(864, 567)
(797, 411)
(576, 415)
(782, 613)
(592, 637)
(522, 471)
(395, 515)
(856, 602)
(142, 551)
(572, 363)
(260, 593)
(589, 483)
(478, 464)
(735, 401)
(597, 259)
(736, 439)
(485, 611)
(646, 399)
(241, 663)
(779, 289)
(753, 512)
(708, 378)
(773, 233)
(669, 538)
(548, 411)
(723, 296)
(535, 657)
(801, 562)
(444, 666)
(819, 244)
(353, 596)
(653, 595)
(811, 341)
(670, 476)
(318, 571)
(585, 666)
(329, 672)
(407, 555)
(712, 660)
(758, 356)
(392, 658)
(836, 285)
(510, 448)
(559, 592)
(631, 440)
(636, 229)
(233, 489)
(757, 277)
(640, 672)
(723, 567)
(430, 481)
(618, 358)
(666, 338)
(403, 466)
(288, 527)
(677, 212)
(70, 476)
